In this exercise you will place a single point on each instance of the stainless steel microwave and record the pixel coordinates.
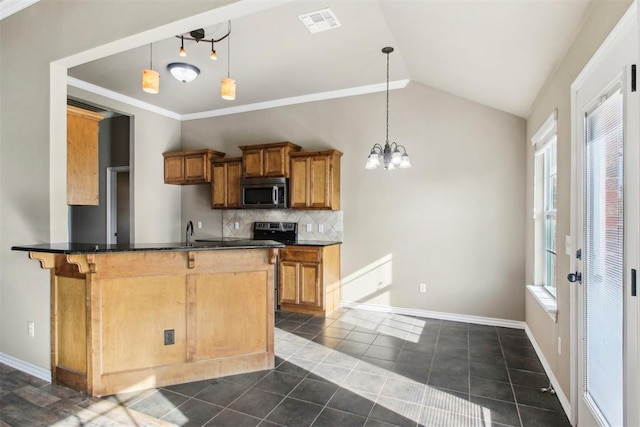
(265, 193)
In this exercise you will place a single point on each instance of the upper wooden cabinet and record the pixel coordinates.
(82, 156)
(267, 160)
(225, 182)
(315, 180)
(189, 167)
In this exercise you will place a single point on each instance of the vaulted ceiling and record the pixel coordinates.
(494, 52)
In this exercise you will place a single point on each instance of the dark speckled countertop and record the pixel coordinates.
(287, 243)
(313, 243)
(198, 245)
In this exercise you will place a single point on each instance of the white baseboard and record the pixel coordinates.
(566, 405)
(26, 367)
(479, 320)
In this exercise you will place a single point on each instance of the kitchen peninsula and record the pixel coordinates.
(131, 317)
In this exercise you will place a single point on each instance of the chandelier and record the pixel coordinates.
(390, 153)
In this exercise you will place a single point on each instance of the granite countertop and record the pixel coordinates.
(313, 243)
(296, 243)
(198, 245)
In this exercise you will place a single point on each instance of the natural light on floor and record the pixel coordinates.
(355, 375)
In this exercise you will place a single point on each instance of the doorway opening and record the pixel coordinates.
(110, 221)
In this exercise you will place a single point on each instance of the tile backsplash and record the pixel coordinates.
(331, 221)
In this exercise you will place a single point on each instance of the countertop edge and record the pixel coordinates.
(160, 247)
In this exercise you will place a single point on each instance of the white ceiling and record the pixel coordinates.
(495, 52)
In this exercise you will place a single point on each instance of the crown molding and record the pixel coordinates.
(98, 90)
(9, 7)
(321, 96)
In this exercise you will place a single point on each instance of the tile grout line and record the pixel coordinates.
(513, 391)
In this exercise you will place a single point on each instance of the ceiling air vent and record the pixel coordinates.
(320, 20)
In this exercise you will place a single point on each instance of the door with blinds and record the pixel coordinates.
(605, 220)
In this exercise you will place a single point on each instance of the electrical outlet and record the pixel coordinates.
(236, 225)
(321, 228)
(423, 288)
(199, 224)
(559, 346)
(309, 227)
(31, 328)
(169, 337)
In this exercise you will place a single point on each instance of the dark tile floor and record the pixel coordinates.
(352, 368)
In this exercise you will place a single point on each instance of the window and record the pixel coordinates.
(545, 185)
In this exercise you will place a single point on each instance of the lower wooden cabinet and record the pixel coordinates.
(309, 279)
(225, 183)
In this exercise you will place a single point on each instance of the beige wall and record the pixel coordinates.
(29, 41)
(455, 220)
(601, 18)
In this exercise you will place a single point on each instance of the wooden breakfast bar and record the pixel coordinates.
(133, 317)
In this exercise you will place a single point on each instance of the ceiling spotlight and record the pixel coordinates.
(183, 72)
(213, 55)
(182, 52)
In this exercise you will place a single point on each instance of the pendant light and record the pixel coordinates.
(228, 85)
(391, 156)
(150, 77)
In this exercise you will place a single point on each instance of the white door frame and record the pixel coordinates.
(629, 19)
(112, 203)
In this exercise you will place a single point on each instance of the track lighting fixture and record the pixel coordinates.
(199, 36)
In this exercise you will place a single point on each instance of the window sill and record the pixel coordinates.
(546, 300)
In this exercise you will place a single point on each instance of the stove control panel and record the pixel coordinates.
(276, 226)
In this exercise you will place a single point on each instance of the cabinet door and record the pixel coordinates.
(252, 163)
(231, 314)
(299, 184)
(218, 186)
(173, 170)
(309, 286)
(196, 168)
(288, 282)
(82, 158)
(320, 183)
(274, 164)
(234, 170)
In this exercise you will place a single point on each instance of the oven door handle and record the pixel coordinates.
(274, 195)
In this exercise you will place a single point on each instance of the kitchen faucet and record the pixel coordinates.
(188, 233)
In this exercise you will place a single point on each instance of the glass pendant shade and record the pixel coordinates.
(228, 89)
(396, 157)
(150, 81)
(372, 161)
(405, 162)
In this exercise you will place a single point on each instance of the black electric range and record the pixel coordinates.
(283, 232)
